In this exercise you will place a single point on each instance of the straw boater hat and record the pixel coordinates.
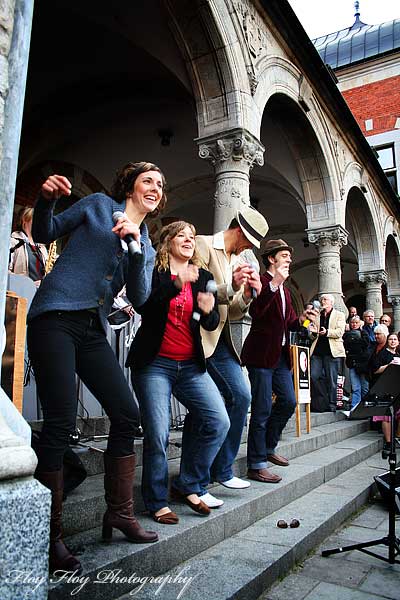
(253, 224)
(274, 246)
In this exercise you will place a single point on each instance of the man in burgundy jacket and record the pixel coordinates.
(266, 355)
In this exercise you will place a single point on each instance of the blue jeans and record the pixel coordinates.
(359, 387)
(267, 421)
(331, 367)
(228, 376)
(196, 390)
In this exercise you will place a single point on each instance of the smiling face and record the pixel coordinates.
(147, 192)
(181, 247)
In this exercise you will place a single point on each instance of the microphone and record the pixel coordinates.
(133, 246)
(253, 290)
(211, 288)
(316, 305)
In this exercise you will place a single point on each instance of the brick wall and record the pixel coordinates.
(379, 101)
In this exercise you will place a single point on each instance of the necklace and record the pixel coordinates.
(180, 301)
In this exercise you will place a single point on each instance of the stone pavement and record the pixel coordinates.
(348, 576)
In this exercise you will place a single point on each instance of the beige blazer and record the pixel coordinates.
(337, 323)
(230, 308)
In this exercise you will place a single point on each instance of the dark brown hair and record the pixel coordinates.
(125, 180)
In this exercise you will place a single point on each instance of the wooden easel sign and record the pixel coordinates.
(302, 384)
(12, 367)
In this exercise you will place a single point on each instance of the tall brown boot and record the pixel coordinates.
(60, 558)
(119, 474)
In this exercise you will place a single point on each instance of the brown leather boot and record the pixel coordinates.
(119, 474)
(60, 558)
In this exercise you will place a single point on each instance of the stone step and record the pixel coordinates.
(195, 534)
(248, 563)
(93, 460)
(84, 508)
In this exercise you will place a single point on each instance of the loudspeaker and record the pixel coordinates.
(382, 481)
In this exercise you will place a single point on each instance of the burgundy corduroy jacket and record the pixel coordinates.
(263, 346)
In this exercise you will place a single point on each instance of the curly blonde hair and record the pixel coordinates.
(168, 232)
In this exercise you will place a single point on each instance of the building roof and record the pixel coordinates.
(358, 43)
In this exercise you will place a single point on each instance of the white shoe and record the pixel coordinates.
(211, 501)
(235, 483)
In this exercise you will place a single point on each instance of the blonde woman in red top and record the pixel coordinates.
(167, 358)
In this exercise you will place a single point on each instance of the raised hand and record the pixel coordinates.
(281, 274)
(186, 274)
(56, 186)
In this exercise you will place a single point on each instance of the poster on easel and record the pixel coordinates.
(302, 384)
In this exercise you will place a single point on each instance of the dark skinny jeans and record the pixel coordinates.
(62, 344)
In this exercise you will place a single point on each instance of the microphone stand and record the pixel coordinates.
(391, 541)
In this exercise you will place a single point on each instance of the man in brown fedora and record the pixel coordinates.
(237, 283)
(266, 355)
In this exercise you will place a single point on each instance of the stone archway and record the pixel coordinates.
(365, 249)
(392, 264)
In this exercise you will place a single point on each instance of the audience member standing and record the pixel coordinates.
(356, 344)
(369, 326)
(384, 354)
(327, 349)
(27, 257)
(387, 320)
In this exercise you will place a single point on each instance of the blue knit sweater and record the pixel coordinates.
(93, 266)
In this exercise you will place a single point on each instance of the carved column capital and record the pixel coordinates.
(333, 236)
(394, 301)
(373, 278)
(328, 242)
(234, 147)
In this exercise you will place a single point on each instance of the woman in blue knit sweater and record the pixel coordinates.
(66, 334)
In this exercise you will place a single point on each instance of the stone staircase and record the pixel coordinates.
(237, 551)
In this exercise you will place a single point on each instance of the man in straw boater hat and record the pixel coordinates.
(237, 283)
(266, 355)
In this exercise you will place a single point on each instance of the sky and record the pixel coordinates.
(319, 17)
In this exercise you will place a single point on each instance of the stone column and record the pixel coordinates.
(232, 154)
(373, 281)
(395, 302)
(24, 502)
(328, 242)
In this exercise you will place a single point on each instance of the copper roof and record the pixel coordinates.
(358, 43)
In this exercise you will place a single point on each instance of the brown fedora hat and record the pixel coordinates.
(273, 246)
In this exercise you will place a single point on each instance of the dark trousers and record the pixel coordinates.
(62, 344)
(331, 367)
(268, 420)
